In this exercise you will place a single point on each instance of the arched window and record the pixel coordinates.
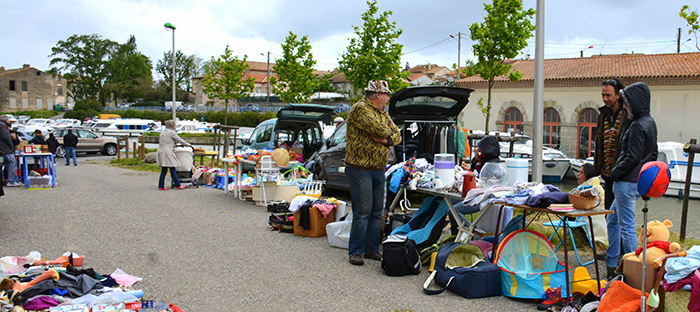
(513, 120)
(552, 128)
(587, 129)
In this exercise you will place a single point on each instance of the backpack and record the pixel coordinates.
(401, 256)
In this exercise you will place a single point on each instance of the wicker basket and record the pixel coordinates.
(584, 203)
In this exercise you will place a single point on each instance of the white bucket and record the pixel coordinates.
(445, 169)
(517, 170)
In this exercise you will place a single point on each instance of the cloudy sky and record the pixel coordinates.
(30, 28)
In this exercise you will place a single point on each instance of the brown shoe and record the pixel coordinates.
(356, 259)
(374, 256)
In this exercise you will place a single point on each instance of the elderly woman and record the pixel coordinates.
(165, 158)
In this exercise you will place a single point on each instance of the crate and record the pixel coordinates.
(317, 222)
(39, 182)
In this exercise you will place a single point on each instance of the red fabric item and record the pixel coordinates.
(660, 244)
(175, 308)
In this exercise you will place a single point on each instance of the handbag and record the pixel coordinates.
(462, 268)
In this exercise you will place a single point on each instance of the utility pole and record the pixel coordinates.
(459, 51)
(678, 41)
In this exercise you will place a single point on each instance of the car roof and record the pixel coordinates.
(306, 112)
(428, 102)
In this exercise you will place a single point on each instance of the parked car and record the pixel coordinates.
(250, 107)
(424, 103)
(88, 142)
(339, 108)
(23, 118)
(294, 123)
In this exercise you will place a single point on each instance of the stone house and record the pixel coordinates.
(420, 80)
(572, 96)
(27, 89)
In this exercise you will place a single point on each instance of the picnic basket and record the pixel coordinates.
(583, 202)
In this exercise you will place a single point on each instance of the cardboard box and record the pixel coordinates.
(317, 223)
(274, 192)
(40, 182)
(632, 270)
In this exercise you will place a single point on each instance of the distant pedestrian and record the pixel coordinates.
(338, 121)
(53, 144)
(370, 134)
(8, 141)
(70, 141)
(38, 138)
(638, 146)
(165, 158)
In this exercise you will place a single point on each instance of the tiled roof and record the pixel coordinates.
(421, 68)
(338, 78)
(415, 76)
(436, 69)
(14, 71)
(605, 66)
(257, 76)
(259, 66)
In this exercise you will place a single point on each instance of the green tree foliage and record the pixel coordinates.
(323, 83)
(374, 53)
(186, 66)
(294, 82)
(691, 17)
(129, 73)
(500, 37)
(224, 79)
(83, 61)
(83, 109)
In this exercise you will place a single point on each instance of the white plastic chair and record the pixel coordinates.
(268, 169)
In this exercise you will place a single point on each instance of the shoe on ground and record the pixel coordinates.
(356, 259)
(14, 184)
(74, 164)
(551, 298)
(600, 256)
(67, 164)
(162, 188)
(179, 187)
(374, 256)
(611, 273)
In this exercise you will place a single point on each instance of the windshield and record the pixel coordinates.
(440, 101)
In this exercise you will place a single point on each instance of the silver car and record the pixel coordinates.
(88, 142)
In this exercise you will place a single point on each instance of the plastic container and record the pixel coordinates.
(494, 173)
(445, 169)
(517, 170)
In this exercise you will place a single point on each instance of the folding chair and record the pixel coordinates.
(268, 169)
(579, 222)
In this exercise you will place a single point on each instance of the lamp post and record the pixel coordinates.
(267, 76)
(590, 47)
(169, 26)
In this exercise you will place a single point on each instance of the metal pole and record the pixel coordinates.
(459, 52)
(267, 77)
(173, 107)
(538, 105)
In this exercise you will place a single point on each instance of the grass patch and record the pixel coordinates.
(135, 164)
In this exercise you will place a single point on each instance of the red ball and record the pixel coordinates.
(653, 179)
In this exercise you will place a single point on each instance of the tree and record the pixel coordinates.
(501, 36)
(374, 54)
(691, 17)
(294, 82)
(323, 83)
(224, 79)
(186, 66)
(129, 72)
(84, 59)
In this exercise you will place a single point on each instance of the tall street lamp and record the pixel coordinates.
(459, 52)
(169, 26)
(267, 75)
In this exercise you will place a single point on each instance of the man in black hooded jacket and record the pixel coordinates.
(638, 146)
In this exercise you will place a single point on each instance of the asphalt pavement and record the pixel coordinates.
(203, 249)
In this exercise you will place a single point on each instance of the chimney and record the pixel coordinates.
(2, 69)
(25, 66)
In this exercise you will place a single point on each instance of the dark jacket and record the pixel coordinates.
(7, 146)
(638, 144)
(599, 156)
(53, 144)
(39, 139)
(70, 140)
(489, 151)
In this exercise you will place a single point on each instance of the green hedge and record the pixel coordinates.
(34, 114)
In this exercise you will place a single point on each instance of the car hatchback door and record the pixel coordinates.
(87, 142)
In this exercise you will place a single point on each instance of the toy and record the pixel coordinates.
(657, 242)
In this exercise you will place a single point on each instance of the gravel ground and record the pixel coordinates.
(202, 249)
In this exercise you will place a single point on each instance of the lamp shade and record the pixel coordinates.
(653, 179)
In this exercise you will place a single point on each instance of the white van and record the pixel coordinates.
(169, 105)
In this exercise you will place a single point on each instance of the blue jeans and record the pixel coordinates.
(11, 168)
(621, 223)
(173, 174)
(368, 195)
(70, 152)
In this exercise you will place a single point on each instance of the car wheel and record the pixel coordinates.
(319, 176)
(110, 149)
(61, 151)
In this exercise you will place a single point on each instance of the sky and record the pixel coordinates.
(30, 28)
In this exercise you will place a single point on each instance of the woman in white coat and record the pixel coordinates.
(165, 158)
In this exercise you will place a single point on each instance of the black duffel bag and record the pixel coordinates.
(401, 256)
(462, 268)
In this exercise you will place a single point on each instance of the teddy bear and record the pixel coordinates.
(657, 242)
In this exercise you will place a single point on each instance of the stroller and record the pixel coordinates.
(185, 172)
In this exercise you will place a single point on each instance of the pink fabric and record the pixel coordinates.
(325, 209)
(694, 304)
(125, 279)
(39, 303)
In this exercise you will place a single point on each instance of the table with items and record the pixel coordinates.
(45, 162)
